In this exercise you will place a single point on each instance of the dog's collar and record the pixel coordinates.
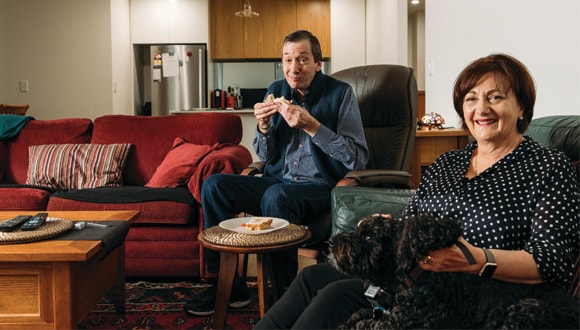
(409, 279)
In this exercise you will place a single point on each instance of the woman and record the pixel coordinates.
(515, 198)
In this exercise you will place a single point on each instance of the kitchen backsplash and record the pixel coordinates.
(249, 74)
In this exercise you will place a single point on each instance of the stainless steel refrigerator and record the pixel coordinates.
(178, 77)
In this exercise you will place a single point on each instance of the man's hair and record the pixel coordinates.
(300, 35)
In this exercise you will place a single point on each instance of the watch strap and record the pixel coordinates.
(488, 256)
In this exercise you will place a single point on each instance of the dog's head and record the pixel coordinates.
(382, 250)
(369, 251)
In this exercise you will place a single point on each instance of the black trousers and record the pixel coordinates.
(319, 298)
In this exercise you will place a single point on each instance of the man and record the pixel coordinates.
(308, 144)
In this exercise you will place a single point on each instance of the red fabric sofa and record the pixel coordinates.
(163, 240)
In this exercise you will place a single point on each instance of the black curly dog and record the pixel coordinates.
(383, 252)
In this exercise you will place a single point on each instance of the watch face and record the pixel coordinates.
(487, 270)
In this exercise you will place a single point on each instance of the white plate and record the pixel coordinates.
(235, 224)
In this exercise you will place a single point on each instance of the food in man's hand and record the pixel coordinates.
(258, 224)
(272, 98)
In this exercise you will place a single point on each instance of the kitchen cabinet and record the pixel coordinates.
(235, 38)
(314, 16)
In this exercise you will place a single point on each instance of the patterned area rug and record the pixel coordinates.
(160, 306)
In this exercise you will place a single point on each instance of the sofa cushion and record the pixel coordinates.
(2, 160)
(71, 130)
(76, 166)
(153, 136)
(21, 197)
(179, 164)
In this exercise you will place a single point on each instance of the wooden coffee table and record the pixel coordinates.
(53, 284)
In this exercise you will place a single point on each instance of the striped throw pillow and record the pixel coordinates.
(76, 166)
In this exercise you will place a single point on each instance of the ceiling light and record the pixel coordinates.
(414, 2)
(247, 12)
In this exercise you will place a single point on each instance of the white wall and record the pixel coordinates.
(544, 35)
(122, 88)
(416, 46)
(63, 49)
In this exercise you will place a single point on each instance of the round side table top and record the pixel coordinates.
(220, 239)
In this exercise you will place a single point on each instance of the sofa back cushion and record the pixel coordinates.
(559, 132)
(71, 130)
(153, 136)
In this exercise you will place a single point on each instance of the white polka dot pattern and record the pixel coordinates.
(530, 200)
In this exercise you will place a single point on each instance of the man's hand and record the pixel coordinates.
(298, 117)
(263, 111)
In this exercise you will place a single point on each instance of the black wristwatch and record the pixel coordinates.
(489, 266)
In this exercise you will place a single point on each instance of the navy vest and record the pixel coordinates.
(323, 101)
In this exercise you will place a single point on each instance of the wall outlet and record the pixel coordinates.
(23, 86)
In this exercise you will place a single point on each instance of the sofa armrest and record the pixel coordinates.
(350, 204)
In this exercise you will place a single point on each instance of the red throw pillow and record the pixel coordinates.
(179, 164)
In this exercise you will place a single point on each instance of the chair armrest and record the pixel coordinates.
(254, 168)
(376, 178)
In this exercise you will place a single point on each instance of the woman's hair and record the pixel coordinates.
(300, 35)
(507, 71)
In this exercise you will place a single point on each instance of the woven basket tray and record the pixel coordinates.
(51, 228)
(218, 235)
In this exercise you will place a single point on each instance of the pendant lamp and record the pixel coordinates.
(247, 12)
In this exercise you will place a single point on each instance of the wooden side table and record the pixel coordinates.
(430, 144)
(231, 244)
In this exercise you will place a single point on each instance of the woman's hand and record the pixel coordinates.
(516, 266)
(452, 259)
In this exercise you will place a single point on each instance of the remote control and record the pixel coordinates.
(36, 221)
(14, 223)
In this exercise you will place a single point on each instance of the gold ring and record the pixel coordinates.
(427, 259)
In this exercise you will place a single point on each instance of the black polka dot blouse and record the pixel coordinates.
(529, 200)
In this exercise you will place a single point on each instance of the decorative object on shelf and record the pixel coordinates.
(431, 120)
(247, 12)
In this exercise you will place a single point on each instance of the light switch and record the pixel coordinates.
(23, 86)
